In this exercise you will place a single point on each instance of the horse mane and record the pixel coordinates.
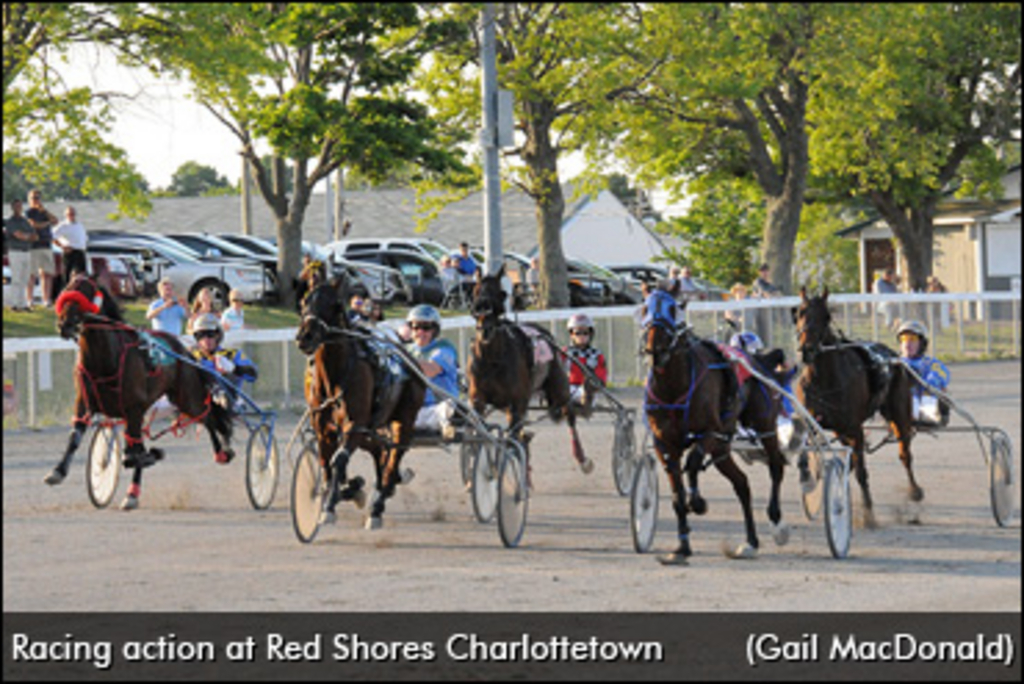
(110, 307)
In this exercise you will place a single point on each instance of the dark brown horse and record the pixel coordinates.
(122, 371)
(350, 400)
(503, 372)
(843, 383)
(692, 401)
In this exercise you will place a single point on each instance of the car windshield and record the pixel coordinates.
(435, 251)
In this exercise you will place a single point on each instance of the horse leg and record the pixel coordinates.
(900, 418)
(137, 458)
(694, 464)
(131, 499)
(776, 471)
(856, 443)
(79, 424)
(585, 462)
(725, 465)
(222, 454)
(673, 470)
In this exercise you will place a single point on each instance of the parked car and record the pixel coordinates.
(429, 248)
(623, 292)
(640, 273)
(214, 247)
(162, 258)
(420, 272)
(116, 274)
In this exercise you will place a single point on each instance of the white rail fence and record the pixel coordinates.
(39, 385)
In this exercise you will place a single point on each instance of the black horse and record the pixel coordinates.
(843, 383)
(504, 373)
(122, 371)
(693, 401)
(350, 401)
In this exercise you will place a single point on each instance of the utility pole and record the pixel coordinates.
(246, 199)
(489, 141)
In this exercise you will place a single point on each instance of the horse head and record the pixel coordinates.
(323, 310)
(488, 302)
(659, 328)
(812, 319)
(82, 298)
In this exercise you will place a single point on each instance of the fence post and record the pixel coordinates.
(931, 327)
(1015, 308)
(611, 350)
(987, 313)
(874, 321)
(31, 389)
(846, 318)
(286, 375)
(960, 326)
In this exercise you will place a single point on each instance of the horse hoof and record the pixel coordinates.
(359, 499)
(406, 475)
(916, 494)
(673, 559)
(223, 457)
(780, 533)
(869, 520)
(328, 517)
(698, 506)
(742, 552)
(374, 522)
(130, 503)
(54, 477)
(587, 466)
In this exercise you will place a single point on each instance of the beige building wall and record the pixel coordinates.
(955, 260)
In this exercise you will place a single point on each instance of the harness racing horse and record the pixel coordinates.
(692, 400)
(842, 386)
(350, 400)
(122, 371)
(504, 373)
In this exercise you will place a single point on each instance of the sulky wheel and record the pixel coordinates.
(838, 507)
(1000, 478)
(484, 482)
(643, 503)
(624, 453)
(513, 493)
(262, 467)
(308, 495)
(103, 467)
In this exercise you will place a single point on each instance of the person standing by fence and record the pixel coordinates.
(43, 265)
(71, 237)
(20, 240)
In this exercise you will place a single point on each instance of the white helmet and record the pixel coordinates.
(577, 321)
(424, 313)
(747, 341)
(208, 323)
(914, 328)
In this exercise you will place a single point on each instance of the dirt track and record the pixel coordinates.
(196, 544)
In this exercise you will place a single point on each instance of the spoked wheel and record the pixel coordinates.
(624, 454)
(513, 493)
(308, 494)
(643, 503)
(484, 482)
(467, 456)
(838, 518)
(1000, 478)
(103, 469)
(262, 467)
(811, 488)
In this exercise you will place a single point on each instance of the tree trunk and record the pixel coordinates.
(914, 229)
(542, 161)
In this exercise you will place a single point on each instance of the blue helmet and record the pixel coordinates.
(747, 341)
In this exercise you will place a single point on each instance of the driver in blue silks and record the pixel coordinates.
(439, 361)
(913, 339)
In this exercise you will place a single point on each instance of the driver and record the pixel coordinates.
(913, 339)
(230, 363)
(439, 361)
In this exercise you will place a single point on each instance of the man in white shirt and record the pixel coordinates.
(71, 237)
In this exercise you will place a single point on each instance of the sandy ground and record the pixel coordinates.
(196, 544)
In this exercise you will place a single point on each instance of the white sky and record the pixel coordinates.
(161, 128)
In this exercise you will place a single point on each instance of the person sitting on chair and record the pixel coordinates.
(439, 361)
(581, 334)
(231, 363)
(913, 339)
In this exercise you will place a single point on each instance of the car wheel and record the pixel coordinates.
(220, 293)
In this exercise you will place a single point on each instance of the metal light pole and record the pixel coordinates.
(489, 141)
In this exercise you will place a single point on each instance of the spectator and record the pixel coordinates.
(465, 263)
(763, 287)
(686, 283)
(168, 313)
(935, 286)
(43, 265)
(203, 304)
(742, 319)
(449, 273)
(234, 316)
(20, 240)
(71, 237)
(886, 285)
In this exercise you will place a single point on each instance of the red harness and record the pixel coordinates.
(733, 355)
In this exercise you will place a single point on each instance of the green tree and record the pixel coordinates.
(194, 180)
(324, 85)
(727, 97)
(722, 231)
(57, 134)
(821, 257)
(550, 56)
(925, 96)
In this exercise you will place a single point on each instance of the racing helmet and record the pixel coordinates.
(747, 341)
(915, 328)
(208, 323)
(424, 313)
(577, 321)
